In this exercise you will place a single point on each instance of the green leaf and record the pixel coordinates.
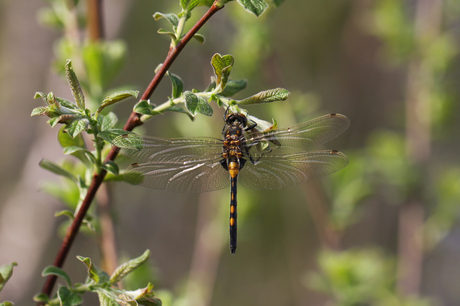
(222, 66)
(179, 109)
(200, 38)
(126, 300)
(69, 106)
(66, 141)
(94, 273)
(106, 299)
(76, 151)
(6, 303)
(233, 86)
(5, 273)
(110, 177)
(111, 134)
(77, 126)
(189, 5)
(52, 270)
(128, 267)
(50, 98)
(171, 34)
(77, 92)
(129, 141)
(193, 3)
(41, 297)
(143, 107)
(272, 95)
(257, 7)
(177, 85)
(196, 104)
(42, 95)
(172, 18)
(116, 97)
(56, 169)
(73, 149)
(145, 293)
(41, 110)
(66, 213)
(68, 298)
(111, 167)
(108, 121)
(64, 119)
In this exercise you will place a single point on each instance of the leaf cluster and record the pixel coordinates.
(102, 284)
(77, 118)
(177, 21)
(219, 90)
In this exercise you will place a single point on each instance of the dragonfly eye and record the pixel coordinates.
(236, 117)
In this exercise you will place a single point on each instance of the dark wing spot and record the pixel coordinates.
(135, 165)
(334, 152)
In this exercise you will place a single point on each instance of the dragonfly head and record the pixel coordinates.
(236, 118)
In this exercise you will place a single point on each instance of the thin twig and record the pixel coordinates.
(107, 241)
(132, 122)
(318, 205)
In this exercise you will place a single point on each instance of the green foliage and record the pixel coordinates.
(393, 25)
(359, 277)
(257, 7)
(5, 273)
(267, 96)
(354, 277)
(447, 209)
(219, 90)
(101, 284)
(76, 119)
(128, 267)
(351, 186)
(222, 66)
(196, 104)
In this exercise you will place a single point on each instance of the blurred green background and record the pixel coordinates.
(383, 231)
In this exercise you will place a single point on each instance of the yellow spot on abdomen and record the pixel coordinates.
(232, 208)
(232, 221)
(233, 169)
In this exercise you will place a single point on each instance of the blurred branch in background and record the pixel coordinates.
(420, 77)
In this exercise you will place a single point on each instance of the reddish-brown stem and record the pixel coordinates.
(95, 26)
(132, 122)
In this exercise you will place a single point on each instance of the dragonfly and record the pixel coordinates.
(261, 160)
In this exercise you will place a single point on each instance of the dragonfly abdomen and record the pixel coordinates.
(233, 215)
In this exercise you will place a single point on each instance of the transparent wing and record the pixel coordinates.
(273, 171)
(299, 138)
(192, 176)
(176, 150)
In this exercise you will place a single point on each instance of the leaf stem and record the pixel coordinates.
(133, 121)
